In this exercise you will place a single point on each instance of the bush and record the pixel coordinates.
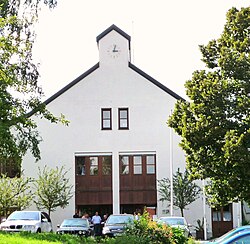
(149, 231)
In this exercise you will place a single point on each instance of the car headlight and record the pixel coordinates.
(105, 230)
(81, 232)
(2, 227)
(29, 227)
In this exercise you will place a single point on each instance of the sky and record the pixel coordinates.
(165, 37)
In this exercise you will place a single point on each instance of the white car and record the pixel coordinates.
(176, 222)
(32, 221)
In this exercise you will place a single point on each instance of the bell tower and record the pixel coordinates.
(114, 47)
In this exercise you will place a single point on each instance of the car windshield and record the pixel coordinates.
(77, 222)
(22, 215)
(119, 219)
(172, 221)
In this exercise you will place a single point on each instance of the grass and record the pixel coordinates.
(41, 238)
(15, 239)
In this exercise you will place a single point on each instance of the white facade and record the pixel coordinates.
(112, 83)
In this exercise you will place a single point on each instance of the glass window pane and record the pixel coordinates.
(106, 165)
(150, 159)
(106, 124)
(123, 114)
(150, 169)
(243, 240)
(125, 169)
(137, 169)
(124, 165)
(93, 165)
(80, 166)
(137, 160)
(124, 160)
(106, 114)
(216, 215)
(123, 123)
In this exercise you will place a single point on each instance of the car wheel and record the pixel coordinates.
(38, 230)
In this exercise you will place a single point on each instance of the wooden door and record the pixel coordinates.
(222, 220)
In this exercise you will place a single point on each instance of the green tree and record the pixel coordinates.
(20, 94)
(214, 123)
(52, 189)
(15, 193)
(185, 191)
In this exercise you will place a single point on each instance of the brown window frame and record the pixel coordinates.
(104, 119)
(127, 169)
(109, 172)
(98, 167)
(131, 165)
(119, 118)
(150, 164)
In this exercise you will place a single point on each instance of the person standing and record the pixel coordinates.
(96, 221)
(76, 215)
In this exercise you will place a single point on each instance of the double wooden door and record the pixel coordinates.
(222, 220)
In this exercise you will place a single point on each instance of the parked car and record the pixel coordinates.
(75, 226)
(176, 222)
(242, 237)
(230, 234)
(116, 224)
(32, 221)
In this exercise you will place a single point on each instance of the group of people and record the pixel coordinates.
(96, 220)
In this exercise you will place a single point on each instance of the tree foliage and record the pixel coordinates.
(215, 123)
(52, 189)
(185, 191)
(20, 94)
(15, 193)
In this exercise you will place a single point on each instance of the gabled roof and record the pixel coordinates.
(96, 66)
(157, 83)
(113, 27)
(75, 81)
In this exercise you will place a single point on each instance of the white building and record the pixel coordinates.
(117, 144)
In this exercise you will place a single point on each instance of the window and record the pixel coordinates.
(124, 165)
(123, 119)
(10, 167)
(137, 165)
(80, 166)
(106, 119)
(106, 165)
(93, 165)
(150, 162)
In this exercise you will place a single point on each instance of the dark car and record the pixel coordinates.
(116, 224)
(75, 226)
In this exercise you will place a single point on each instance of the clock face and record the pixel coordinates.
(114, 51)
